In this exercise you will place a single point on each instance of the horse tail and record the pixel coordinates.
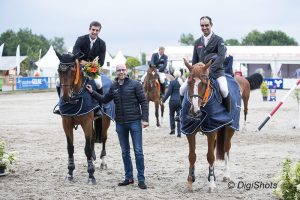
(220, 144)
(255, 80)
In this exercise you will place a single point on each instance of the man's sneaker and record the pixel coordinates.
(126, 182)
(142, 185)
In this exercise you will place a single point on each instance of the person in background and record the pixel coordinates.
(88, 47)
(174, 102)
(159, 60)
(131, 114)
(211, 47)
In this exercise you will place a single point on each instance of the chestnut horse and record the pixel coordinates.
(72, 83)
(201, 101)
(152, 91)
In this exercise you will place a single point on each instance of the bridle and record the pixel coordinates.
(64, 68)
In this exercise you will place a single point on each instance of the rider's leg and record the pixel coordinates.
(98, 81)
(162, 78)
(224, 92)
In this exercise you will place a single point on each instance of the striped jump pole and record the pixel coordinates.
(278, 105)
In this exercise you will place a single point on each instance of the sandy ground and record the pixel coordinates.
(28, 126)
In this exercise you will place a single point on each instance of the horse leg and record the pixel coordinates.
(68, 128)
(105, 126)
(192, 159)
(245, 97)
(156, 113)
(227, 145)
(211, 139)
(88, 132)
(162, 109)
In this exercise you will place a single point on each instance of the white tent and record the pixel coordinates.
(108, 61)
(119, 59)
(48, 64)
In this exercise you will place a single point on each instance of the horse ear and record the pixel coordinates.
(208, 64)
(187, 64)
(58, 55)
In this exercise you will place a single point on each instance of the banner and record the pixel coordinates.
(274, 83)
(31, 83)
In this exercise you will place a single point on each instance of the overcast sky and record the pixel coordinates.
(135, 26)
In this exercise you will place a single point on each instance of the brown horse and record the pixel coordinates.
(199, 94)
(72, 82)
(152, 92)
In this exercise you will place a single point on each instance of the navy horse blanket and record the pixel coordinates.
(213, 115)
(83, 103)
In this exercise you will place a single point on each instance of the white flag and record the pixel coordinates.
(18, 59)
(1, 51)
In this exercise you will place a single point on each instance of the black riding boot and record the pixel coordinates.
(227, 103)
(58, 92)
(163, 89)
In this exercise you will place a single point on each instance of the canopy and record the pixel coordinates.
(48, 64)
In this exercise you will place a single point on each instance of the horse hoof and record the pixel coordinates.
(91, 181)
(225, 179)
(190, 185)
(103, 166)
(69, 177)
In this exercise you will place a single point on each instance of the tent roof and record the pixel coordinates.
(119, 59)
(9, 62)
(49, 60)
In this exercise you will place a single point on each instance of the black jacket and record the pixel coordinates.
(130, 101)
(173, 91)
(161, 63)
(83, 45)
(214, 45)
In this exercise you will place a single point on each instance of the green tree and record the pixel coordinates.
(268, 38)
(187, 39)
(232, 42)
(58, 44)
(30, 46)
(144, 58)
(131, 63)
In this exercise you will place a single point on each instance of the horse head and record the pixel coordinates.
(198, 82)
(151, 78)
(69, 74)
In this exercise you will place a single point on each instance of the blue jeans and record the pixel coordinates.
(135, 130)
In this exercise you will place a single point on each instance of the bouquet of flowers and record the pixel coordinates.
(288, 186)
(92, 69)
(7, 158)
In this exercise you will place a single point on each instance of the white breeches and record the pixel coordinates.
(223, 86)
(183, 88)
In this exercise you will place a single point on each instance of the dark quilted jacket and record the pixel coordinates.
(130, 101)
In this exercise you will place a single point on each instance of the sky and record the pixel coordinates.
(135, 26)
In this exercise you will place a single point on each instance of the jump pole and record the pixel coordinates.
(278, 105)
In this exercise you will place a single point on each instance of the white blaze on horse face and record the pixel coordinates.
(196, 95)
(153, 73)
